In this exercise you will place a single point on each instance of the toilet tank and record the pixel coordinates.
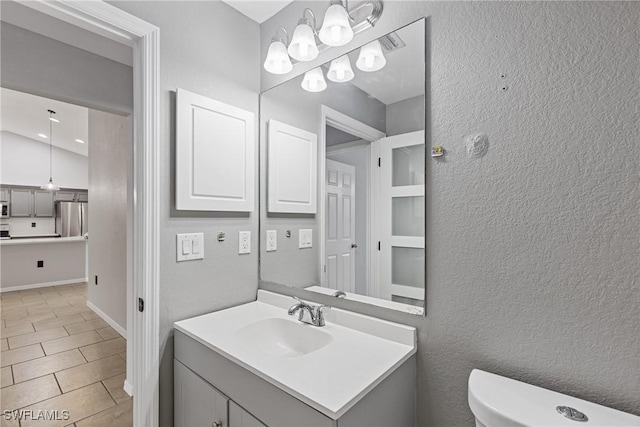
(499, 401)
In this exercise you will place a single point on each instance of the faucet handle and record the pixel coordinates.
(319, 314)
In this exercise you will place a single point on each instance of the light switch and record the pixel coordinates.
(244, 242)
(189, 246)
(305, 238)
(272, 240)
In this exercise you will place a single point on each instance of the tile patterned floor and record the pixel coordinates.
(57, 354)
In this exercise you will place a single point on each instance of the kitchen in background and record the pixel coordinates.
(43, 192)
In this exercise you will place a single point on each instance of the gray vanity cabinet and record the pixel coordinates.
(197, 403)
(238, 417)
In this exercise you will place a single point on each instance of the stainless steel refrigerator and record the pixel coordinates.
(71, 219)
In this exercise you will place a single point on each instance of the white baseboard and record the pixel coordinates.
(43, 285)
(119, 329)
(128, 387)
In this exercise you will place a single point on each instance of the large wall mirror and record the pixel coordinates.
(342, 155)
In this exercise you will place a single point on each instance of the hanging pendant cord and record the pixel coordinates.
(51, 113)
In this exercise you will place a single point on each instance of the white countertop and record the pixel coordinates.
(362, 353)
(42, 240)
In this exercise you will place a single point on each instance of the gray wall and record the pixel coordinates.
(59, 71)
(110, 148)
(405, 116)
(532, 250)
(210, 49)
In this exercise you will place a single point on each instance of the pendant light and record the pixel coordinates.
(340, 70)
(303, 42)
(50, 186)
(336, 28)
(371, 57)
(278, 61)
(314, 81)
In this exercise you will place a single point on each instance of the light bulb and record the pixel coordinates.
(340, 70)
(303, 42)
(371, 57)
(368, 61)
(313, 81)
(336, 29)
(277, 61)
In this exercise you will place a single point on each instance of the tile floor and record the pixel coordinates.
(57, 354)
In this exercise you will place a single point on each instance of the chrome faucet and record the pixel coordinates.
(307, 313)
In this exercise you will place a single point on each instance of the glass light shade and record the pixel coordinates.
(313, 81)
(50, 186)
(336, 29)
(340, 70)
(278, 61)
(371, 57)
(303, 44)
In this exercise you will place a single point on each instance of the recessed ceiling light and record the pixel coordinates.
(42, 135)
(54, 120)
(80, 141)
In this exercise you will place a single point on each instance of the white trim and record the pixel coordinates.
(119, 329)
(346, 147)
(128, 388)
(143, 349)
(338, 120)
(43, 285)
(407, 292)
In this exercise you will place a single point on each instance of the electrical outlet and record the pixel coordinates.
(33, 225)
(272, 240)
(305, 238)
(189, 246)
(244, 242)
(40, 264)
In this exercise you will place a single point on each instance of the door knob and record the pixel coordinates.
(353, 245)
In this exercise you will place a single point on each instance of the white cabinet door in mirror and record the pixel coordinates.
(214, 155)
(292, 169)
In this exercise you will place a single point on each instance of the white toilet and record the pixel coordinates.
(498, 401)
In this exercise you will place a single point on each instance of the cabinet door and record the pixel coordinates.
(43, 203)
(82, 197)
(20, 202)
(65, 196)
(238, 417)
(4, 195)
(197, 403)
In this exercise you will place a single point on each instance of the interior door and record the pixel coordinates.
(401, 218)
(340, 244)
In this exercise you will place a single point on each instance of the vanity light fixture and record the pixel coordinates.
(371, 57)
(303, 42)
(340, 70)
(50, 186)
(336, 27)
(314, 81)
(278, 61)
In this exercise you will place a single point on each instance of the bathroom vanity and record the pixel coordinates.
(253, 365)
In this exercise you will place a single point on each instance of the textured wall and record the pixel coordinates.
(533, 249)
(213, 50)
(110, 152)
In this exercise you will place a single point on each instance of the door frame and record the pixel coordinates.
(143, 349)
(338, 120)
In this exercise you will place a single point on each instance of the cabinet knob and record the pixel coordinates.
(216, 424)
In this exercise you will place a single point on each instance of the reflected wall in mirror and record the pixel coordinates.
(343, 173)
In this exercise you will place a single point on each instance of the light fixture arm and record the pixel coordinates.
(277, 38)
(310, 22)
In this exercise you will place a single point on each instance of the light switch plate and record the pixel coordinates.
(189, 246)
(244, 242)
(305, 238)
(272, 240)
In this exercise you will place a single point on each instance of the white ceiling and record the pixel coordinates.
(403, 76)
(27, 115)
(258, 10)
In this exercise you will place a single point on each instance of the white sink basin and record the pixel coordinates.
(283, 337)
(329, 368)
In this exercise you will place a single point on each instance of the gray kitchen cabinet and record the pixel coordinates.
(197, 403)
(65, 196)
(238, 417)
(42, 203)
(82, 196)
(4, 195)
(20, 203)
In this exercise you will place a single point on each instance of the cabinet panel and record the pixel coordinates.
(238, 417)
(197, 403)
(82, 197)
(43, 203)
(65, 196)
(4, 195)
(20, 202)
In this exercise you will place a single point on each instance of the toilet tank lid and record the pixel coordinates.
(499, 401)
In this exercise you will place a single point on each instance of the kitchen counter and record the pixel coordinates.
(41, 240)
